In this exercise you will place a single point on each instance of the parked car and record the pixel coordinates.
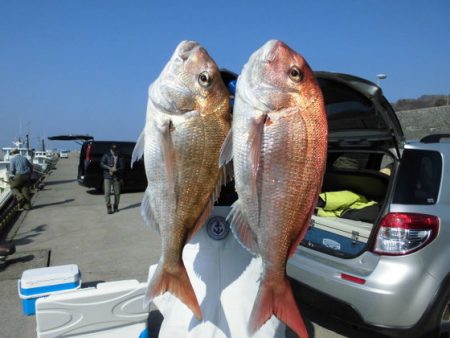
(64, 154)
(386, 265)
(90, 174)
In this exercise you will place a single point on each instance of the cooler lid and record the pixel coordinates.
(50, 276)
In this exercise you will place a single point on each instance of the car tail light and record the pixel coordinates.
(89, 152)
(353, 279)
(404, 233)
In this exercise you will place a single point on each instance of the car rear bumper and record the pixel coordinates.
(393, 296)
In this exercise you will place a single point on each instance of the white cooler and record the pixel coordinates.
(41, 282)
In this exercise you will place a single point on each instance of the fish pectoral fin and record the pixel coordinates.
(147, 212)
(226, 151)
(255, 141)
(138, 150)
(168, 151)
(241, 230)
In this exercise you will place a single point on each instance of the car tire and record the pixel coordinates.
(441, 317)
(101, 188)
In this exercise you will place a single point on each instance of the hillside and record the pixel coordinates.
(424, 101)
(417, 123)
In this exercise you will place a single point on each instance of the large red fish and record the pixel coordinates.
(279, 148)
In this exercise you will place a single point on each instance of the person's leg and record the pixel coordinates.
(26, 192)
(116, 194)
(107, 186)
(16, 188)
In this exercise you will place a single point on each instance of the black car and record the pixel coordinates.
(90, 174)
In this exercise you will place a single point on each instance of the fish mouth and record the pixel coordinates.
(271, 50)
(186, 48)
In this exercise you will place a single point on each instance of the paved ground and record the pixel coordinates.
(68, 224)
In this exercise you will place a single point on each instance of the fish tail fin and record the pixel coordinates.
(278, 300)
(176, 281)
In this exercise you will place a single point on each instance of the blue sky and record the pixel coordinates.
(84, 66)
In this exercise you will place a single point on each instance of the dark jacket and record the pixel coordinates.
(107, 164)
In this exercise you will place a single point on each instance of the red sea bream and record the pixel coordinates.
(278, 145)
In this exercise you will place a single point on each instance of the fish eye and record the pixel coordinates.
(204, 79)
(296, 74)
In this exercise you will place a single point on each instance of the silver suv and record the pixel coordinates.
(377, 252)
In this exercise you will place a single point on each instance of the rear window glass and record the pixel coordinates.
(419, 177)
(347, 109)
(100, 147)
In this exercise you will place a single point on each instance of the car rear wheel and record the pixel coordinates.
(101, 188)
(441, 317)
(445, 319)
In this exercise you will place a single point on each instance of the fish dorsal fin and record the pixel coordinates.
(147, 212)
(241, 230)
(225, 176)
(138, 150)
(226, 151)
(168, 152)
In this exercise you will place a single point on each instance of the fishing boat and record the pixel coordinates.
(28, 153)
(40, 159)
(7, 202)
(5, 189)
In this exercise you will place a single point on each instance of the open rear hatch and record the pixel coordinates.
(77, 138)
(365, 138)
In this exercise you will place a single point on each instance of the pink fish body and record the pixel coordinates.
(279, 147)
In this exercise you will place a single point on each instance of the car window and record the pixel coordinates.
(347, 109)
(419, 177)
(102, 147)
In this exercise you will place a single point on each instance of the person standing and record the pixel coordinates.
(20, 170)
(113, 166)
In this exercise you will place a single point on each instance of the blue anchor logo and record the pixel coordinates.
(217, 228)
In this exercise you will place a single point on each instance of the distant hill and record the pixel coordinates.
(425, 101)
(417, 123)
